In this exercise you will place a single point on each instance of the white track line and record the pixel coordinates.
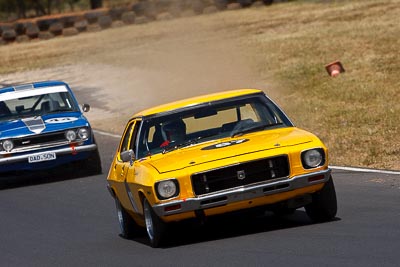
(363, 170)
(332, 167)
(107, 134)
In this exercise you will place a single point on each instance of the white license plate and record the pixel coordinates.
(42, 157)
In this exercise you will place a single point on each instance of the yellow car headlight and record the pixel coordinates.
(313, 158)
(167, 188)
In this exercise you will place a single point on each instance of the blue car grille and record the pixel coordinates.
(240, 175)
(39, 141)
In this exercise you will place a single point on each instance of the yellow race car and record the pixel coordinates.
(216, 154)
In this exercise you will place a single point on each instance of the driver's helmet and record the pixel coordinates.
(174, 131)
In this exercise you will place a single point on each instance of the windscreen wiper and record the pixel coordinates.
(172, 146)
(242, 131)
(193, 141)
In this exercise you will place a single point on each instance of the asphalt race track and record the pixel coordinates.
(72, 222)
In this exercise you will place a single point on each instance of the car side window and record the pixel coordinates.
(125, 142)
(133, 141)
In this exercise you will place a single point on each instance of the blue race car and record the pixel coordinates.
(42, 127)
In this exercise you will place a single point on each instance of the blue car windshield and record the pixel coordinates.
(36, 105)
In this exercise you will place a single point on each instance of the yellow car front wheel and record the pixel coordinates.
(324, 205)
(155, 227)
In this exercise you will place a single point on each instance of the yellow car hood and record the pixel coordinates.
(229, 147)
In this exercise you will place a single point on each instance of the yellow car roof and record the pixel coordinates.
(195, 101)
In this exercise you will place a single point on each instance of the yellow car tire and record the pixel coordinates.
(155, 227)
(128, 226)
(324, 204)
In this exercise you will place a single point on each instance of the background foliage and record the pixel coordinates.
(14, 9)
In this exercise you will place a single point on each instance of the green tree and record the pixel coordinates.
(96, 4)
(72, 3)
(23, 8)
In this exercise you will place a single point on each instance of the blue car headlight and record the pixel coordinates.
(83, 133)
(70, 135)
(7, 145)
(80, 134)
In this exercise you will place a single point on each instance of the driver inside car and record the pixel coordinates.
(173, 132)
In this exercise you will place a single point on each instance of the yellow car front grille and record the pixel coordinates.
(267, 169)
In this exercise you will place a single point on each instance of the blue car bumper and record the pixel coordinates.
(63, 156)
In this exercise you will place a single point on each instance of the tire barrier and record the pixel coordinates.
(139, 12)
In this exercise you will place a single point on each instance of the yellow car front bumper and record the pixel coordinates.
(243, 197)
